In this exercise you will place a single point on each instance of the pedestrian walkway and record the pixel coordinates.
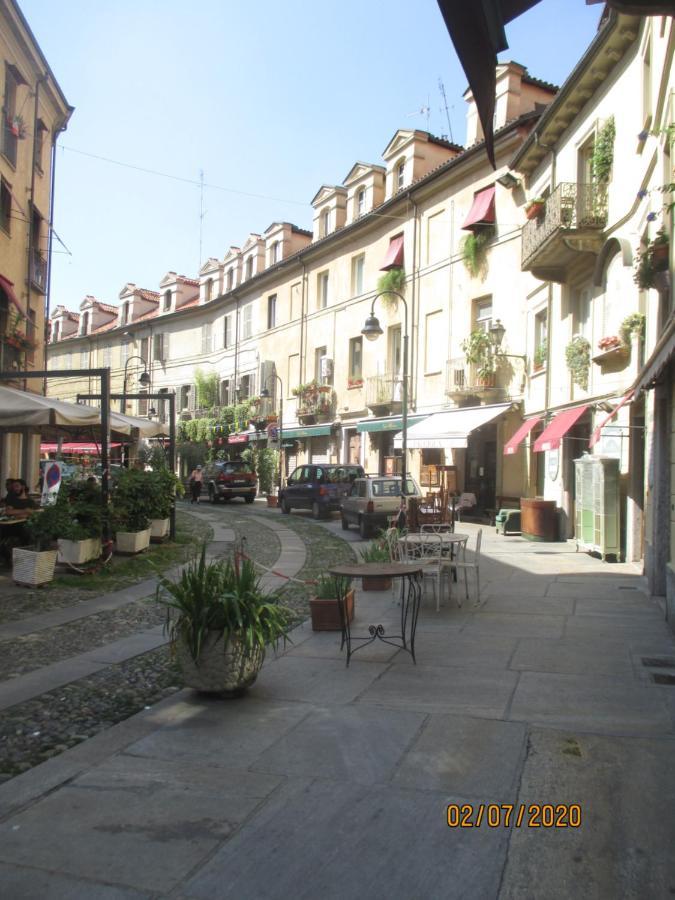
(339, 783)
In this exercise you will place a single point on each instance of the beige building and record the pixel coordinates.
(34, 113)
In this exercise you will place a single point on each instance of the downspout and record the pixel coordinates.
(414, 310)
(30, 208)
(236, 348)
(303, 330)
(552, 151)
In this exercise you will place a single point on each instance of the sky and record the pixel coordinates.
(269, 100)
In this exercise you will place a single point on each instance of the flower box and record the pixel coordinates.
(159, 530)
(32, 567)
(130, 542)
(609, 343)
(354, 383)
(326, 614)
(535, 209)
(78, 552)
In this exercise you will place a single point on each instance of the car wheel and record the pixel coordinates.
(345, 524)
(249, 499)
(317, 512)
(364, 529)
(285, 508)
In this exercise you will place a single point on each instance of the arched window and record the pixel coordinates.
(361, 201)
(84, 323)
(400, 175)
(56, 327)
(167, 301)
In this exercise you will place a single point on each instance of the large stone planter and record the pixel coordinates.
(159, 530)
(219, 670)
(78, 552)
(326, 614)
(33, 567)
(130, 542)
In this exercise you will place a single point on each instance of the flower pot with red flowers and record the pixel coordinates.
(535, 208)
(611, 342)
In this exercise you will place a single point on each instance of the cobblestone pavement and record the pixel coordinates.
(35, 730)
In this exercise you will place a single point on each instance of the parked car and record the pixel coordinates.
(319, 487)
(372, 501)
(230, 478)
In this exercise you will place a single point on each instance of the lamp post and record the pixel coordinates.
(144, 380)
(372, 330)
(266, 393)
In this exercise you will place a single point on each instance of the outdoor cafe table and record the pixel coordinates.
(411, 595)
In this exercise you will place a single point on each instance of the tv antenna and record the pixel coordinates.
(424, 110)
(441, 88)
(201, 213)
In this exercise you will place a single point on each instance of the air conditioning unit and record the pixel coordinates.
(326, 367)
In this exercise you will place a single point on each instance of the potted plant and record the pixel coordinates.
(131, 499)
(34, 565)
(578, 359)
(611, 342)
(162, 488)
(377, 552)
(324, 605)
(478, 352)
(220, 622)
(634, 323)
(659, 251)
(535, 208)
(79, 540)
(354, 383)
(651, 260)
(540, 355)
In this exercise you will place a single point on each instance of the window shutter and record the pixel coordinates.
(192, 397)
(165, 346)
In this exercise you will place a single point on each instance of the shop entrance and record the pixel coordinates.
(480, 476)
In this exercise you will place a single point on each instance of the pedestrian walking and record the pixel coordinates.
(196, 484)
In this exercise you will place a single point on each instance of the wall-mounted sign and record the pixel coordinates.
(238, 438)
(553, 464)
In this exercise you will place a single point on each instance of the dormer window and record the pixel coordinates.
(167, 301)
(274, 253)
(208, 290)
(84, 323)
(361, 201)
(123, 314)
(249, 267)
(325, 222)
(400, 175)
(56, 328)
(230, 279)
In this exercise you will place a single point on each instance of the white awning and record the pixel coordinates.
(449, 430)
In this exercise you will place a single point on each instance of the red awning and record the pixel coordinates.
(74, 447)
(558, 427)
(513, 443)
(483, 210)
(394, 257)
(8, 287)
(595, 437)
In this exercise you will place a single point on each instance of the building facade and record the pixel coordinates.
(34, 113)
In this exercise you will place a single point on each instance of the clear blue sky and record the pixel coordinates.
(268, 99)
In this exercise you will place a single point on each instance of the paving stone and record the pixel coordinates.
(534, 625)
(618, 605)
(573, 656)
(326, 645)
(591, 703)
(139, 823)
(341, 840)
(23, 883)
(523, 604)
(314, 680)
(608, 627)
(590, 588)
(471, 758)
(489, 651)
(626, 788)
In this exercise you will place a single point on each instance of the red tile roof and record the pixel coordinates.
(187, 280)
(152, 314)
(193, 301)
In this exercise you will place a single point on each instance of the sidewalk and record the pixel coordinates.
(332, 782)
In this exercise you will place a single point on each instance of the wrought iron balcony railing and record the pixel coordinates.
(384, 390)
(571, 207)
(38, 271)
(466, 378)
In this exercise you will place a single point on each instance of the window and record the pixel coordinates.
(39, 144)
(395, 349)
(293, 375)
(360, 202)
(84, 359)
(5, 206)
(84, 323)
(230, 279)
(161, 347)
(207, 340)
(225, 392)
(123, 314)
(275, 253)
(184, 399)
(31, 334)
(358, 264)
(319, 353)
(434, 342)
(540, 339)
(10, 138)
(247, 321)
(295, 300)
(399, 180)
(355, 357)
(438, 237)
(106, 357)
(325, 222)
(163, 407)
(482, 314)
(322, 290)
(245, 387)
(208, 290)
(69, 360)
(227, 333)
(167, 301)
(249, 267)
(56, 326)
(38, 269)
(143, 403)
(144, 348)
(271, 311)
(582, 313)
(124, 352)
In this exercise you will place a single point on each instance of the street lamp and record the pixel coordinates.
(266, 393)
(144, 379)
(371, 331)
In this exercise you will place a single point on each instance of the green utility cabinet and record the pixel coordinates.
(597, 505)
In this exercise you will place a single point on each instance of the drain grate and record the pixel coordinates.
(658, 662)
(659, 678)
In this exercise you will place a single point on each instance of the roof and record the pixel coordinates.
(187, 280)
(150, 296)
(151, 314)
(193, 301)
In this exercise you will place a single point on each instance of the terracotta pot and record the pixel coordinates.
(535, 210)
(272, 500)
(326, 615)
(376, 582)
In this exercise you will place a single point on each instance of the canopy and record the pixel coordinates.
(20, 409)
(74, 447)
(449, 430)
(482, 210)
(558, 427)
(595, 437)
(514, 442)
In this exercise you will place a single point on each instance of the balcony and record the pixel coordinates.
(38, 272)
(10, 140)
(463, 380)
(316, 403)
(572, 222)
(384, 393)
(11, 356)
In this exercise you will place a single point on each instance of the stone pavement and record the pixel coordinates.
(332, 782)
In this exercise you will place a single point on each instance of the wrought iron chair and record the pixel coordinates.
(460, 564)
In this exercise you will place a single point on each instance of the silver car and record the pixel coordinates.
(373, 501)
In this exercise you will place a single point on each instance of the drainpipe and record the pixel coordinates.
(303, 329)
(31, 200)
(552, 151)
(414, 313)
(236, 347)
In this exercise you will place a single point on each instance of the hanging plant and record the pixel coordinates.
(392, 280)
(578, 358)
(632, 324)
(473, 247)
(540, 355)
(603, 152)
(17, 126)
(651, 259)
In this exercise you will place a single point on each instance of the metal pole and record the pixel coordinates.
(172, 459)
(105, 444)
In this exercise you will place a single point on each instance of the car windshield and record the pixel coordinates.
(391, 487)
(230, 468)
(344, 473)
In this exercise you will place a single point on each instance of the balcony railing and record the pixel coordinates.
(9, 141)
(11, 357)
(462, 378)
(38, 271)
(571, 208)
(384, 391)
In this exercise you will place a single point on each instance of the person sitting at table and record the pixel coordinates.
(17, 502)
(8, 490)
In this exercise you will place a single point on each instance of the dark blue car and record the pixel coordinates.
(319, 487)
